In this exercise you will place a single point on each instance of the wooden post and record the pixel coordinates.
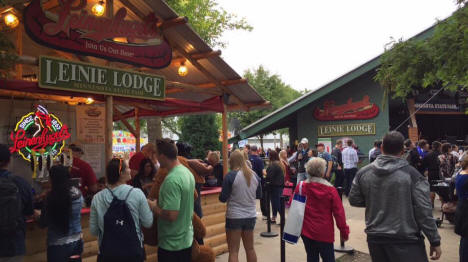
(137, 130)
(411, 109)
(19, 46)
(109, 127)
(225, 140)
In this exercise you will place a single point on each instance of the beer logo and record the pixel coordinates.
(39, 131)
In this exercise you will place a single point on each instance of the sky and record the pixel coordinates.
(312, 42)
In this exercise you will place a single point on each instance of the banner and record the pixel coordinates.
(362, 109)
(88, 78)
(73, 30)
(360, 129)
(90, 124)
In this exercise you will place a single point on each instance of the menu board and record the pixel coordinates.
(90, 124)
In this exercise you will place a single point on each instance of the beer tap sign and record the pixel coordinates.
(39, 135)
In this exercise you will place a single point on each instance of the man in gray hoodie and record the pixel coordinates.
(398, 207)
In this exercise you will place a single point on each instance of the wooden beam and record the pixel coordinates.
(225, 83)
(109, 127)
(199, 56)
(180, 87)
(249, 106)
(225, 140)
(19, 47)
(181, 20)
(137, 130)
(207, 73)
(411, 109)
(136, 105)
(133, 8)
(124, 121)
(37, 96)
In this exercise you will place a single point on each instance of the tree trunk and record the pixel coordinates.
(154, 129)
(281, 141)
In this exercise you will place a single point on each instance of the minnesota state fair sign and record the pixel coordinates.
(88, 78)
(38, 132)
(73, 30)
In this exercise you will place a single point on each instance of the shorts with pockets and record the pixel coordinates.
(244, 224)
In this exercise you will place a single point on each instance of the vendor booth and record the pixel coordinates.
(85, 64)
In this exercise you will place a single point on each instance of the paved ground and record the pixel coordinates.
(268, 249)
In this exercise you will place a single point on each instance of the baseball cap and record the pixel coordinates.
(304, 141)
(75, 148)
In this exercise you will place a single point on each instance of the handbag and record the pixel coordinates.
(293, 227)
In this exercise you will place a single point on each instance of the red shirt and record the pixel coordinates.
(135, 160)
(322, 204)
(83, 170)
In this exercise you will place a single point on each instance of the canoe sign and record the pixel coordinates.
(363, 109)
(74, 30)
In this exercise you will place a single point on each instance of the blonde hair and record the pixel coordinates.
(316, 167)
(464, 161)
(213, 156)
(237, 162)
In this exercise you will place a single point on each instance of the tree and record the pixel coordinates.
(8, 55)
(209, 20)
(272, 88)
(440, 60)
(201, 132)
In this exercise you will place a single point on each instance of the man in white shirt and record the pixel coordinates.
(350, 161)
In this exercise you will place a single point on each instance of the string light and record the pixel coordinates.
(98, 9)
(89, 101)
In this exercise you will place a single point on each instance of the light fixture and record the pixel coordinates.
(98, 9)
(89, 101)
(11, 20)
(72, 103)
(183, 71)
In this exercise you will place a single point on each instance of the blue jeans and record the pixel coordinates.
(349, 177)
(301, 177)
(315, 248)
(464, 249)
(62, 253)
(275, 199)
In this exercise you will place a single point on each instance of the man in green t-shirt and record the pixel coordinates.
(175, 207)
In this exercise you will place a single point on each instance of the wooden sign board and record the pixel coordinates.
(359, 129)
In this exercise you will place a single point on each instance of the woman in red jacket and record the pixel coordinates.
(322, 204)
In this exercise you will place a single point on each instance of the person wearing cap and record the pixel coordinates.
(327, 157)
(81, 169)
(302, 157)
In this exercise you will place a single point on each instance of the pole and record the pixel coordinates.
(342, 248)
(109, 127)
(267, 196)
(225, 140)
(137, 130)
(282, 217)
(19, 46)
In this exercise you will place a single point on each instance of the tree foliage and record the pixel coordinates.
(440, 60)
(269, 86)
(201, 132)
(208, 19)
(8, 55)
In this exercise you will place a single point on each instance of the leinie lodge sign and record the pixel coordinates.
(82, 77)
(360, 129)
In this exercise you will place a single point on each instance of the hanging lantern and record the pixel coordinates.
(98, 9)
(183, 71)
(11, 20)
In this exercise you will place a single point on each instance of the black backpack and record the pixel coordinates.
(10, 206)
(120, 242)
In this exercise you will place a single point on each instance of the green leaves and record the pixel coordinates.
(439, 60)
(202, 132)
(269, 86)
(209, 20)
(8, 55)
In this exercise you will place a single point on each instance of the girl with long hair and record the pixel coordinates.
(275, 179)
(144, 178)
(241, 187)
(62, 215)
(118, 174)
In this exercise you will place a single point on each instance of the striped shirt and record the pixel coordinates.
(350, 158)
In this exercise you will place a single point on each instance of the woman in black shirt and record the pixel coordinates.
(275, 178)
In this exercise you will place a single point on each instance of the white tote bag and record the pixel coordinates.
(293, 227)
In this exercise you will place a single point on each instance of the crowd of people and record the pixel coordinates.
(397, 188)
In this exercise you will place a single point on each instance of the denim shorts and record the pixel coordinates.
(244, 224)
